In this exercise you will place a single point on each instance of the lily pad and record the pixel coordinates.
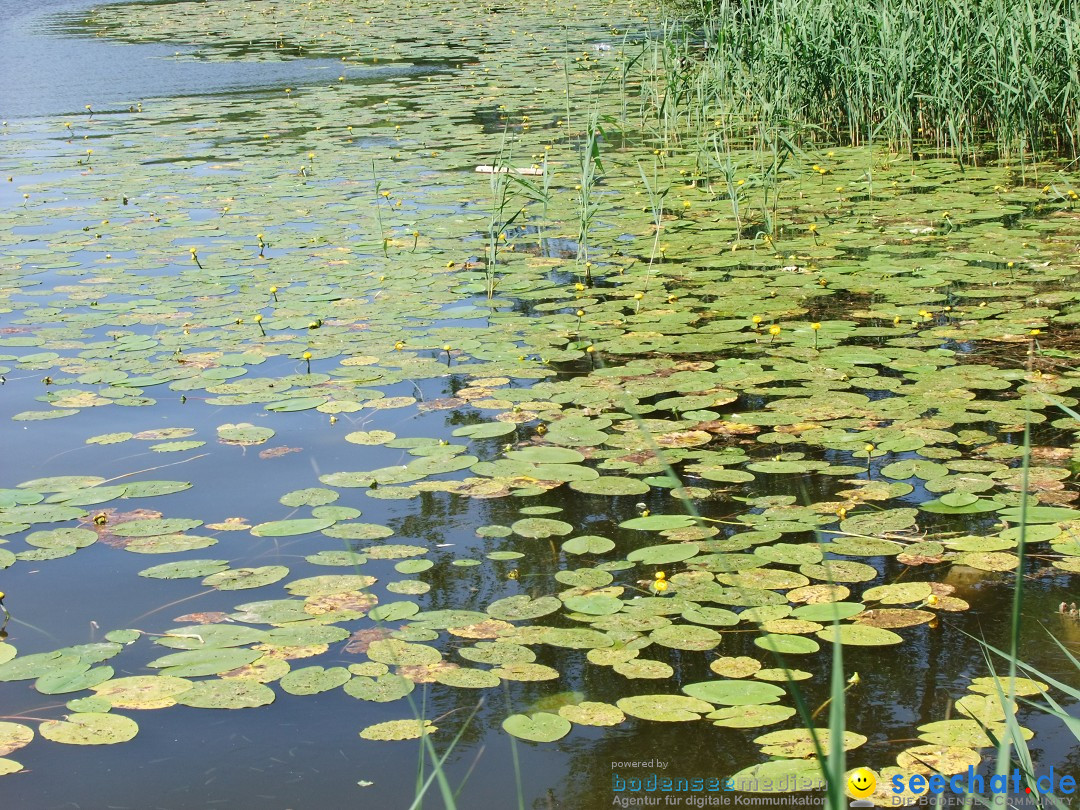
(237, 693)
(592, 713)
(236, 579)
(859, 635)
(665, 708)
(735, 692)
(398, 730)
(90, 728)
(538, 727)
(291, 528)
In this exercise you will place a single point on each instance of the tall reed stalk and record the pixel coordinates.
(957, 76)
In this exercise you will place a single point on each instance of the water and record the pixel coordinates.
(304, 752)
(51, 73)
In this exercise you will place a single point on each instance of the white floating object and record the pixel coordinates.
(532, 171)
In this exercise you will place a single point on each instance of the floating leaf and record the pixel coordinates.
(399, 730)
(237, 693)
(313, 496)
(193, 663)
(735, 692)
(644, 668)
(291, 528)
(686, 637)
(72, 679)
(186, 569)
(9, 766)
(14, 736)
(525, 671)
(936, 759)
(90, 728)
(588, 544)
(859, 635)
(383, 689)
(664, 708)
(467, 678)
(611, 485)
(541, 527)
(244, 434)
(663, 555)
(523, 607)
(538, 727)
(153, 527)
(591, 713)
(400, 653)
(594, 604)
(899, 593)
(750, 716)
(143, 691)
(798, 742)
(787, 644)
(779, 776)
(656, 523)
(236, 579)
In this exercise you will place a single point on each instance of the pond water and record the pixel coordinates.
(246, 254)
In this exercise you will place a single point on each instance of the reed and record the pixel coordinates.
(959, 77)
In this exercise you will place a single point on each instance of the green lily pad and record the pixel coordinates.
(750, 716)
(735, 692)
(526, 671)
(185, 569)
(382, 689)
(233, 693)
(537, 727)
(900, 593)
(153, 527)
(787, 644)
(657, 523)
(313, 496)
(14, 736)
(62, 538)
(588, 544)
(643, 668)
(244, 434)
(399, 730)
(541, 527)
(798, 742)
(686, 637)
(663, 555)
(400, 653)
(611, 485)
(523, 607)
(291, 528)
(592, 713)
(313, 680)
(90, 728)
(664, 708)
(193, 663)
(468, 678)
(143, 691)
(72, 679)
(594, 605)
(859, 635)
(779, 776)
(236, 579)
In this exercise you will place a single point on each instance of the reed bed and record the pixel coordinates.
(964, 77)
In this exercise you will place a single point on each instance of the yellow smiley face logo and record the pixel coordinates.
(861, 783)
